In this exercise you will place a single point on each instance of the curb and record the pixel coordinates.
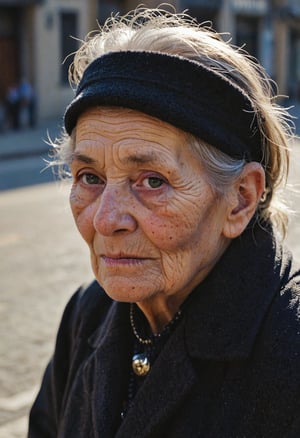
(28, 142)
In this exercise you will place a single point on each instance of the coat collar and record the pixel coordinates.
(170, 380)
(106, 376)
(107, 369)
(224, 314)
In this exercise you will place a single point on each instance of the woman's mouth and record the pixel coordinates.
(114, 261)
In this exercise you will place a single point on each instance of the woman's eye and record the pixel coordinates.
(90, 179)
(154, 182)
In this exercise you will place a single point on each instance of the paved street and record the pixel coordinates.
(293, 200)
(43, 260)
(42, 263)
(24, 155)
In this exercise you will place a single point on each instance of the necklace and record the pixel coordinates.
(141, 362)
(138, 337)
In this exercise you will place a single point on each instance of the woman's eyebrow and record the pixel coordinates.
(138, 158)
(82, 158)
(141, 158)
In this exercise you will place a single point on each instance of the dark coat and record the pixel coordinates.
(230, 370)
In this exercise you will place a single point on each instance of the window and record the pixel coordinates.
(108, 7)
(9, 48)
(68, 30)
(247, 34)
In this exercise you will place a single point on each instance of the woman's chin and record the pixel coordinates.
(124, 290)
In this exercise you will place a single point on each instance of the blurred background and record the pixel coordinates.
(36, 36)
(42, 258)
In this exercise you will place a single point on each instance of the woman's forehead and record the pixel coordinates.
(122, 126)
(117, 120)
(133, 138)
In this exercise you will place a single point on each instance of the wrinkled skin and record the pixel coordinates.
(142, 202)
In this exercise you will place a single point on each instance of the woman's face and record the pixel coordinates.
(142, 202)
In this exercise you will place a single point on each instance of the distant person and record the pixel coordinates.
(2, 109)
(191, 328)
(12, 104)
(2, 117)
(27, 99)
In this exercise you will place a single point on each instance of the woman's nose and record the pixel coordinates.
(114, 212)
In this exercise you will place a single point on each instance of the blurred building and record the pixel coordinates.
(36, 37)
(268, 29)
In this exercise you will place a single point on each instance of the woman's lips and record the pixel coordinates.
(122, 260)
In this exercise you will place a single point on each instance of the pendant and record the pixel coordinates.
(140, 364)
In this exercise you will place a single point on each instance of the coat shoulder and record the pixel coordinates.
(281, 331)
(285, 310)
(88, 305)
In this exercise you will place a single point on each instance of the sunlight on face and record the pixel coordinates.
(142, 202)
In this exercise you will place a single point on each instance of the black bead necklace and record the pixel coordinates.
(141, 361)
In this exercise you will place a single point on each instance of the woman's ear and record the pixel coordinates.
(246, 194)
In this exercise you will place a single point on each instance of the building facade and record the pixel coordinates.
(268, 29)
(35, 38)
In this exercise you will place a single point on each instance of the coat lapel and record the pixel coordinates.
(107, 370)
(227, 310)
(171, 378)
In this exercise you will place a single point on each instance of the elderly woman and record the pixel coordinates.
(191, 327)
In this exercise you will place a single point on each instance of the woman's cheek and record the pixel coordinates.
(168, 235)
(83, 214)
(76, 201)
(84, 223)
(79, 198)
(174, 223)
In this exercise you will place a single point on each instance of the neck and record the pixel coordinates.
(158, 314)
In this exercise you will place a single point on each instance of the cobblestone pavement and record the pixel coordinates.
(43, 260)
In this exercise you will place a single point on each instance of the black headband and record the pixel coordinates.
(184, 93)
